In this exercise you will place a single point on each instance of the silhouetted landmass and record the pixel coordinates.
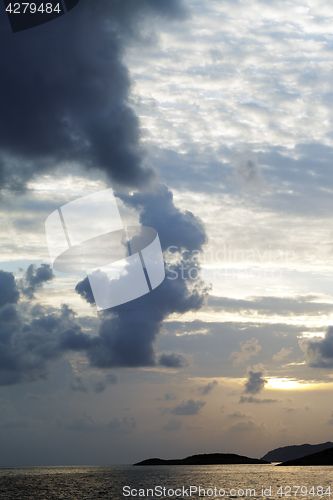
(294, 452)
(209, 459)
(324, 457)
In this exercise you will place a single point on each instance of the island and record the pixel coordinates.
(296, 451)
(324, 457)
(205, 459)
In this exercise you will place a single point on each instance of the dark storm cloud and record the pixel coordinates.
(255, 383)
(175, 228)
(28, 346)
(35, 277)
(9, 293)
(128, 332)
(189, 407)
(320, 352)
(64, 93)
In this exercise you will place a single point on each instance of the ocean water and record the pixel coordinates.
(171, 482)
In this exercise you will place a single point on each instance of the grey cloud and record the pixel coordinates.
(169, 396)
(206, 389)
(255, 383)
(248, 349)
(101, 385)
(71, 103)
(78, 385)
(35, 277)
(247, 426)
(128, 332)
(9, 293)
(251, 399)
(189, 407)
(237, 414)
(248, 171)
(175, 228)
(300, 305)
(172, 360)
(320, 352)
(126, 424)
(279, 356)
(173, 425)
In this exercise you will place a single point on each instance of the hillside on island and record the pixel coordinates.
(294, 452)
(324, 457)
(205, 459)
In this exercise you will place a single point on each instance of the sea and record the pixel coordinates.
(182, 482)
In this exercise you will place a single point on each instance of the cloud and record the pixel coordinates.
(189, 407)
(35, 277)
(78, 385)
(279, 356)
(173, 425)
(247, 426)
(9, 293)
(101, 385)
(181, 230)
(237, 414)
(172, 360)
(251, 399)
(320, 352)
(248, 171)
(169, 396)
(71, 104)
(31, 336)
(128, 332)
(206, 389)
(255, 383)
(248, 349)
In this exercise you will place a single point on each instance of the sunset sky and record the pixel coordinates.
(212, 122)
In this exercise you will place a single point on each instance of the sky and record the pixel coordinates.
(212, 123)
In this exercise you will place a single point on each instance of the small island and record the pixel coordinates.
(205, 459)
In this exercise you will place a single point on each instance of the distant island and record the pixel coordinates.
(205, 459)
(294, 452)
(324, 457)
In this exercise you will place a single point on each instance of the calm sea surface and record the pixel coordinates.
(121, 482)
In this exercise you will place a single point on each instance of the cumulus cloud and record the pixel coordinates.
(189, 407)
(35, 277)
(128, 332)
(279, 356)
(72, 102)
(248, 349)
(206, 389)
(320, 352)
(9, 293)
(255, 382)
